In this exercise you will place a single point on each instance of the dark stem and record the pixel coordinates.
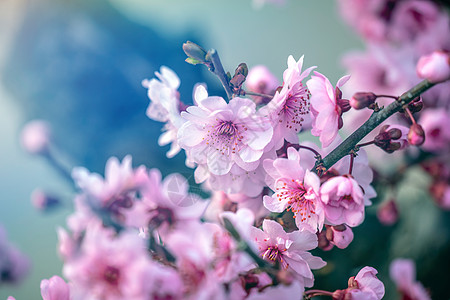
(307, 148)
(365, 144)
(352, 158)
(59, 167)
(258, 94)
(220, 72)
(411, 117)
(387, 96)
(375, 119)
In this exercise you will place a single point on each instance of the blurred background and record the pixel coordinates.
(78, 64)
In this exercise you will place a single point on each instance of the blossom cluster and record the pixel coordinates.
(135, 234)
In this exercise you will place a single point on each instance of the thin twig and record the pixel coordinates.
(220, 72)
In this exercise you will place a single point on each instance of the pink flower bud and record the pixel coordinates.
(261, 80)
(416, 136)
(35, 137)
(341, 235)
(387, 212)
(362, 100)
(323, 242)
(43, 201)
(55, 288)
(434, 67)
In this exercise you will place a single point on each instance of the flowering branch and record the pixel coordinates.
(375, 119)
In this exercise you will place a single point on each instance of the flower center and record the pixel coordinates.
(295, 107)
(295, 192)
(274, 254)
(225, 137)
(111, 275)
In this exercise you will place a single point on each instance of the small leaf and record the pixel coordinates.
(192, 61)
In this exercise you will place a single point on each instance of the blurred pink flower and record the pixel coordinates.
(55, 288)
(288, 249)
(295, 189)
(403, 273)
(435, 67)
(14, 265)
(261, 80)
(325, 109)
(36, 136)
(343, 201)
(436, 124)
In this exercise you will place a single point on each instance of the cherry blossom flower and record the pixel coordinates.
(220, 135)
(326, 109)
(434, 67)
(114, 192)
(288, 249)
(165, 106)
(290, 106)
(435, 122)
(343, 201)
(106, 265)
(164, 204)
(366, 285)
(294, 189)
(403, 273)
(55, 288)
(261, 80)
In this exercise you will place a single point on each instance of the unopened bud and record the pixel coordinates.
(341, 235)
(362, 100)
(394, 133)
(387, 212)
(434, 67)
(249, 281)
(42, 201)
(416, 135)
(195, 52)
(36, 136)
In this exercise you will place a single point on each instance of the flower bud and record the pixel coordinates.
(387, 212)
(323, 242)
(416, 136)
(195, 52)
(55, 288)
(341, 235)
(36, 136)
(261, 80)
(362, 100)
(435, 67)
(43, 201)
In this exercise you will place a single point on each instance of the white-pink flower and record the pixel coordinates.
(326, 111)
(290, 106)
(55, 288)
(434, 67)
(165, 106)
(366, 285)
(295, 189)
(343, 201)
(288, 249)
(220, 135)
(403, 273)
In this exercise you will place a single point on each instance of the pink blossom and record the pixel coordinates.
(343, 201)
(280, 292)
(36, 136)
(288, 249)
(403, 273)
(43, 201)
(220, 135)
(295, 189)
(341, 236)
(261, 80)
(366, 285)
(387, 212)
(325, 109)
(106, 266)
(165, 106)
(434, 67)
(55, 288)
(121, 180)
(290, 106)
(164, 204)
(436, 124)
